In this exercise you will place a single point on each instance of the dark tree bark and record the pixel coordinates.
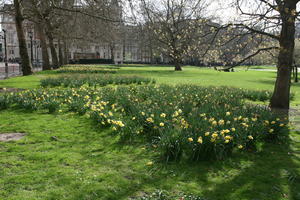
(296, 74)
(66, 53)
(60, 53)
(178, 67)
(26, 65)
(281, 95)
(44, 47)
(112, 52)
(177, 64)
(51, 45)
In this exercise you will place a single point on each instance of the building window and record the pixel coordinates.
(12, 52)
(118, 55)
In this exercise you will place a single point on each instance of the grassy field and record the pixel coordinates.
(64, 156)
(257, 80)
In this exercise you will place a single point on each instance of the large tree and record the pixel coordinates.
(275, 20)
(26, 65)
(178, 25)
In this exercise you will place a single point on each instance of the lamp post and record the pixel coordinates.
(5, 53)
(31, 45)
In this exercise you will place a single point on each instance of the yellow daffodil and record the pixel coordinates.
(200, 140)
(149, 163)
(163, 115)
(214, 135)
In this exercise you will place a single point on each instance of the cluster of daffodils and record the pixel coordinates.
(182, 120)
(86, 69)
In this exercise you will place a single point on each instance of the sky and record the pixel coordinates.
(223, 9)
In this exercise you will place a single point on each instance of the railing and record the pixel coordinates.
(14, 69)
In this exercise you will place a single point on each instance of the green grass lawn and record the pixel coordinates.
(64, 156)
(257, 80)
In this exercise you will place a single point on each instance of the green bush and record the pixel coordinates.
(77, 81)
(4, 101)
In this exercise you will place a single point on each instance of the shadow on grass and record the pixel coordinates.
(270, 174)
(272, 82)
(121, 170)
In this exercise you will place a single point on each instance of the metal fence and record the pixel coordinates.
(14, 69)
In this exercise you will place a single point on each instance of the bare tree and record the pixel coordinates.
(26, 65)
(177, 25)
(274, 19)
(272, 24)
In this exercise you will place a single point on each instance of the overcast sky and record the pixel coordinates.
(223, 9)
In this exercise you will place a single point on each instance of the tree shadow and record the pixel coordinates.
(272, 175)
(271, 82)
(269, 174)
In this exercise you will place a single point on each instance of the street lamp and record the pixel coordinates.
(5, 52)
(31, 45)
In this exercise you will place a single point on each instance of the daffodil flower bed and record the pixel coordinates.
(87, 69)
(93, 80)
(189, 122)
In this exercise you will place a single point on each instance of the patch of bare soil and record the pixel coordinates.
(6, 137)
(10, 90)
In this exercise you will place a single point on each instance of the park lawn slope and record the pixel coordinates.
(255, 80)
(64, 156)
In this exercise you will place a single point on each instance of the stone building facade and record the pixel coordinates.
(128, 50)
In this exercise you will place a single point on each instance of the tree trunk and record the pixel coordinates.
(281, 96)
(112, 53)
(51, 45)
(66, 53)
(60, 54)
(177, 65)
(296, 74)
(26, 65)
(45, 54)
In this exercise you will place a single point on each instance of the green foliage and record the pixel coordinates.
(81, 69)
(76, 81)
(185, 121)
(4, 101)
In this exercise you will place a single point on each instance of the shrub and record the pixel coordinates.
(77, 81)
(4, 101)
